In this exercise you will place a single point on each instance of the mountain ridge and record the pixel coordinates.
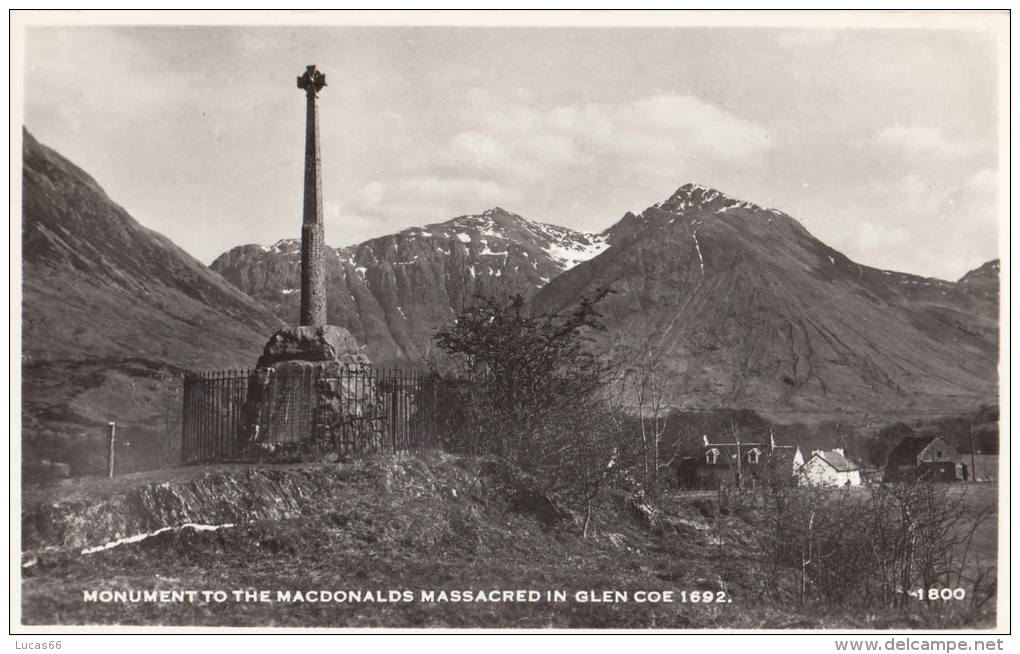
(392, 291)
(734, 297)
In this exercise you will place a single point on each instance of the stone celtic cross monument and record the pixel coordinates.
(313, 366)
(313, 275)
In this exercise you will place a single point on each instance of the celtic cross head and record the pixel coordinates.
(312, 81)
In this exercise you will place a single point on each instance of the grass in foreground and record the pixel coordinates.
(446, 523)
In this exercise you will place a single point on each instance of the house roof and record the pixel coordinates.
(907, 450)
(730, 449)
(836, 460)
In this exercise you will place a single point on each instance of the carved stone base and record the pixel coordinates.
(312, 390)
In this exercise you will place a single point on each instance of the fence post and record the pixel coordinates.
(394, 410)
(109, 460)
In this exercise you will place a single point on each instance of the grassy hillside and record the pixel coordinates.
(112, 314)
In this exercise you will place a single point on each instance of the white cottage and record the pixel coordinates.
(829, 468)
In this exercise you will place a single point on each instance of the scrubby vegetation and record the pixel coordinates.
(874, 547)
(525, 388)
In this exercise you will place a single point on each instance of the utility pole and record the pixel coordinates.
(973, 470)
(740, 478)
(109, 457)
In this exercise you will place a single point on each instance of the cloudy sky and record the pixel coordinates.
(882, 142)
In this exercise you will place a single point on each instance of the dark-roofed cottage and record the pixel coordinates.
(741, 464)
(927, 457)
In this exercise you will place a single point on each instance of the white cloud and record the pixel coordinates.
(529, 143)
(385, 206)
(917, 140)
(871, 236)
(508, 150)
(684, 121)
(478, 147)
(555, 149)
(431, 187)
(942, 224)
(654, 125)
(372, 194)
(930, 197)
(349, 227)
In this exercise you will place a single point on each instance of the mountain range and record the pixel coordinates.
(741, 305)
(393, 292)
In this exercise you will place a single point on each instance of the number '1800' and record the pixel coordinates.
(944, 594)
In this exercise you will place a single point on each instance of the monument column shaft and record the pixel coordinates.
(313, 272)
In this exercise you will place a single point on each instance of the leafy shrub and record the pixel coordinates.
(526, 388)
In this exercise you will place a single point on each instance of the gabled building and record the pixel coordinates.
(926, 457)
(829, 468)
(739, 463)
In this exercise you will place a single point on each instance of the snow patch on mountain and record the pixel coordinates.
(500, 233)
(570, 254)
(697, 246)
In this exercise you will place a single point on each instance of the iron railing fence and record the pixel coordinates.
(242, 415)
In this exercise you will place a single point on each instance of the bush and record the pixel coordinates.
(528, 389)
(871, 546)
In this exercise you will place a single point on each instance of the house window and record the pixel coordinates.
(938, 454)
(711, 456)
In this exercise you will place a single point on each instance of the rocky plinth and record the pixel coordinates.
(327, 343)
(311, 391)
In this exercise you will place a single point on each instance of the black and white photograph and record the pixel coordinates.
(559, 322)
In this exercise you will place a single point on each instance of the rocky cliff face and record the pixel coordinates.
(392, 292)
(745, 308)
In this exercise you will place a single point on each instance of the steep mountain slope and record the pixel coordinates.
(393, 292)
(111, 313)
(745, 308)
